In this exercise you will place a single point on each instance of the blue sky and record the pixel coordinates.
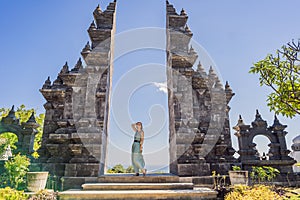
(37, 37)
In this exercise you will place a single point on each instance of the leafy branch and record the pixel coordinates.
(281, 73)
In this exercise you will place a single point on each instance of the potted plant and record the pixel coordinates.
(238, 176)
(36, 181)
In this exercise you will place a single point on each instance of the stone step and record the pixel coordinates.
(200, 193)
(137, 186)
(129, 178)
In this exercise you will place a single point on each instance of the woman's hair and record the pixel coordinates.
(140, 123)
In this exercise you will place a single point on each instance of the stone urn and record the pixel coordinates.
(36, 181)
(239, 177)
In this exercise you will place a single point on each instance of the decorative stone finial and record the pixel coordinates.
(277, 125)
(228, 88)
(183, 13)
(47, 84)
(201, 70)
(98, 10)
(211, 72)
(31, 122)
(31, 118)
(187, 29)
(12, 112)
(259, 122)
(192, 50)
(65, 69)
(257, 116)
(87, 47)
(86, 50)
(11, 117)
(276, 121)
(167, 2)
(58, 82)
(78, 66)
(92, 26)
(218, 84)
(239, 123)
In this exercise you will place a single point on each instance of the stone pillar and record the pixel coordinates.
(78, 104)
(199, 131)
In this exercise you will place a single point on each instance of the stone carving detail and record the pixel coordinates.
(278, 153)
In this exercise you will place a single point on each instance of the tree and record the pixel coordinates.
(281, 73)
(16, 169)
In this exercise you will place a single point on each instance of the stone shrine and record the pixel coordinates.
(278, 153)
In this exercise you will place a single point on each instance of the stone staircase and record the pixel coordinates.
(127, 186)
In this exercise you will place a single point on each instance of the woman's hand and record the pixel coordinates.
(133, 126)
(141, 148)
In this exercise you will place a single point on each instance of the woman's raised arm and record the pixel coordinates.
(133, 127)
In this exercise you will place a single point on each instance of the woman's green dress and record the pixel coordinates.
(136, 155)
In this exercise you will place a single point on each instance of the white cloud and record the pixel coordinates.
(162, 87)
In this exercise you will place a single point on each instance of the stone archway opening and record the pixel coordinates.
(262, 146)
(8, 143)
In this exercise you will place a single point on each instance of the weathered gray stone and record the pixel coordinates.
(278, 152)
(198, 106)
(75, 128)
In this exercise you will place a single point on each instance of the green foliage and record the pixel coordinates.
(23, 115)
(12, 194)
(219, 181)
(9, 139)
(3, 144)
(117, 169)
(236, 168)
(16, 169)
(257, 192)
(120, 169)
(130, 169)
(44, 195)
(264, 173)
(281, 73)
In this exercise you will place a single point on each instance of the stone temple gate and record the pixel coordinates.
(278, 153)
(78, 102)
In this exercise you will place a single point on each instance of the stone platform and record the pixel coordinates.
(127, 186)
(137, 186)
(129, 178)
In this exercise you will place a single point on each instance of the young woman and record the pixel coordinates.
(137, 149)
